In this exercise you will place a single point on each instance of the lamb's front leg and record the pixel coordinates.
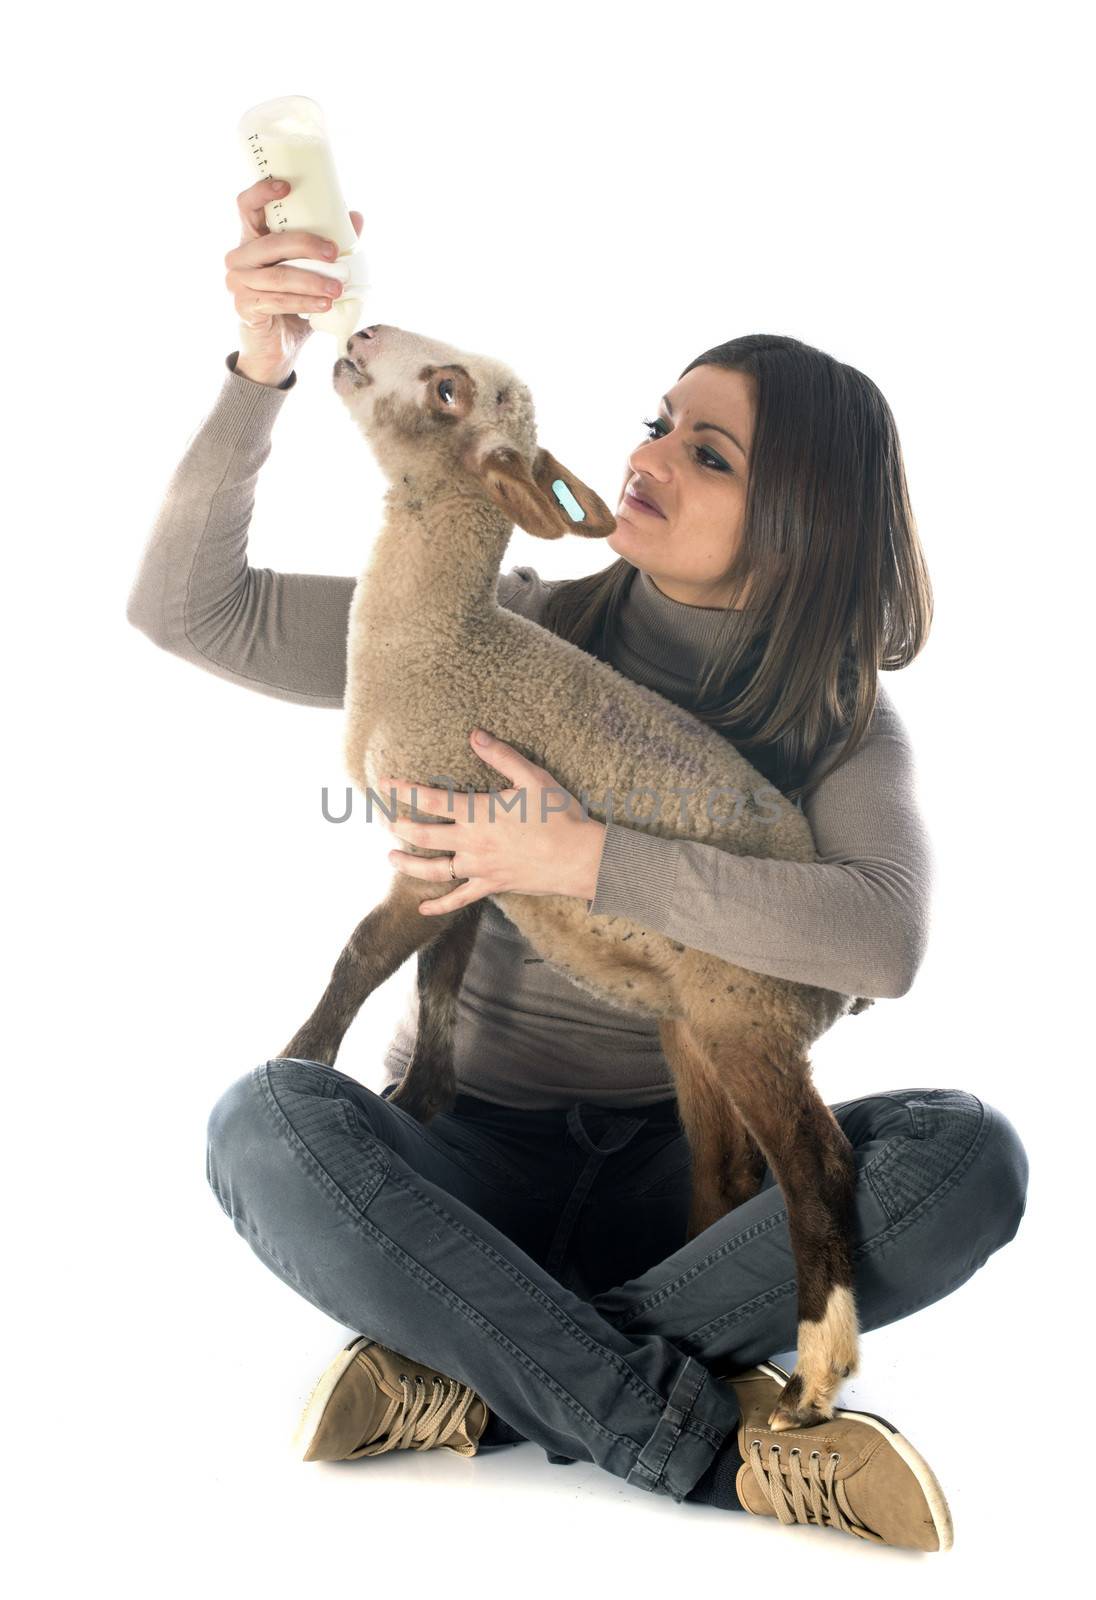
(377, 948)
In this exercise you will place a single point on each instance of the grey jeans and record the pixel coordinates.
(540, 1256)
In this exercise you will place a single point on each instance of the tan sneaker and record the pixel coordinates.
(855, 1472)
(371, 1400)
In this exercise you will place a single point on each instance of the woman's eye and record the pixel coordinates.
(702, 451)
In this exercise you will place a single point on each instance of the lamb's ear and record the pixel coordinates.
(547, 503)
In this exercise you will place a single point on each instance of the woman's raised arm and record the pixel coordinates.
(280, 633)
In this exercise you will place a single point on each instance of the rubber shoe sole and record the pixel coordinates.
(312, 1416)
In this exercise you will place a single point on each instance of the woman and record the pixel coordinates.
(517, 1268)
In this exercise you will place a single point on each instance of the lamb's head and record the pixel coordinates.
(442, 419)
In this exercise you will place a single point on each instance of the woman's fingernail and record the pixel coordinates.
(479, 736)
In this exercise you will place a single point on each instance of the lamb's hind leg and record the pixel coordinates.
(816, 1170)
(377, 948)
(727, 1165)
(429, 1085)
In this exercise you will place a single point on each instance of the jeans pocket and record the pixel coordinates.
(950, 1116)
(913, 1169)
(319, 1117)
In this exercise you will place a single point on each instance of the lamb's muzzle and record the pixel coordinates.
(430, 653)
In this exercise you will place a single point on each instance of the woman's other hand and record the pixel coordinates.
(549, 846)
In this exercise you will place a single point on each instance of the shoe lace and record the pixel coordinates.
(829, 1505)
(412, 1423)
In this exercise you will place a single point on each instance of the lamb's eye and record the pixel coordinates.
(446, 384)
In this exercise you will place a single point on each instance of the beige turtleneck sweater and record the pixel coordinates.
(855, 921)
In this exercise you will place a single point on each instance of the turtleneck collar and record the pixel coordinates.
(664, 643)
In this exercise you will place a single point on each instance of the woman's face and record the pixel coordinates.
(697, 479)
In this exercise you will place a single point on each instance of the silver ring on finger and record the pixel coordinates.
(452, 873)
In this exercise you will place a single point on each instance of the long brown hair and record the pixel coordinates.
(829, 559)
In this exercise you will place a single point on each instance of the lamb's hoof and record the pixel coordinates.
(798, 1409)
(804, 1417)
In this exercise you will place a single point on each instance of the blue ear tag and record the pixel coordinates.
(568, 501)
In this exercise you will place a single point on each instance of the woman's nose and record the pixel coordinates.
(644, 459)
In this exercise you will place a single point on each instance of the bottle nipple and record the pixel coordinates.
(345, 314)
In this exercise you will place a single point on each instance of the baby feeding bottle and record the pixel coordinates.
(287, 138)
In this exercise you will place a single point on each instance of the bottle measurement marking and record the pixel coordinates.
(256, 144)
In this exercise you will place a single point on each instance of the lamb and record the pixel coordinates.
(431, 654)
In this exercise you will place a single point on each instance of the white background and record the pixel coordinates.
(593, 194)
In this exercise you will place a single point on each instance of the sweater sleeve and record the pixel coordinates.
(280, 633)
(856, 921)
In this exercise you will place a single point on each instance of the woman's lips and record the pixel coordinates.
(640, 505)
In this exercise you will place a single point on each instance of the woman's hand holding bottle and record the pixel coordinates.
(268, 297)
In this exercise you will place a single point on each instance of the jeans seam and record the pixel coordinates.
(703, 1430)
(877, 1181)
(767, 1297)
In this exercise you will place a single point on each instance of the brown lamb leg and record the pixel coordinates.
(379, 945)
(815, 1167)
(429, 1085)
(727, 1165)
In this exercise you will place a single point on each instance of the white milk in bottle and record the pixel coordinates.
(287, 138)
